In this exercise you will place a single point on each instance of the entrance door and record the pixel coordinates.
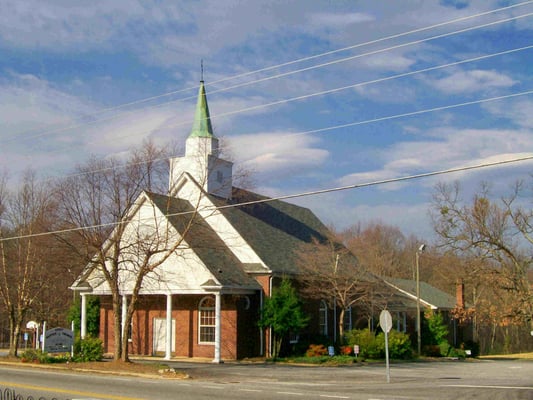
(160, 335)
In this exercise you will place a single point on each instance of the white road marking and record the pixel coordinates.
(489, 387)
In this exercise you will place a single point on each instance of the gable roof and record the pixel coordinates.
(275, 229)
(205, 242)
(429, 295)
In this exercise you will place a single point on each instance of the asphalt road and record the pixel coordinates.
(420, 380)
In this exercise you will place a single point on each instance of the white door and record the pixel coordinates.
(160, 334)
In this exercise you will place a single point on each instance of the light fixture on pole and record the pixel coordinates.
(418, 331)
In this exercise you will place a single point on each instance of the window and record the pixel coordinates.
(348, 319)
(323, 318)
(206, 320)
(293, 338)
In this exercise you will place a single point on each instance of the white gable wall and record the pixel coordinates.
(181, 272)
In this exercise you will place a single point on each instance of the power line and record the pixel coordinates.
(296, 195)
(281, 75)
(412, 113)
(338, 89)
(347, 125)
(395, 36)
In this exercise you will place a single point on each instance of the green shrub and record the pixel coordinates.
(399, 345)
(35, 356)
(373, 347)
(88, 349)
(366, 340)
(438, 330)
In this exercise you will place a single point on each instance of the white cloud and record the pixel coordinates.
(472, 81)
(277, 152)
(518, 112)
(388, 61)
(48, 129)
(338, 20)
(27, 103)
(448, 148)
(345, 209)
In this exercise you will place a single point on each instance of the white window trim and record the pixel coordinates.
(323, 309)
(200, 320)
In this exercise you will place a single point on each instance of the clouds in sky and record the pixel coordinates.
(472, 81)
(67, 65)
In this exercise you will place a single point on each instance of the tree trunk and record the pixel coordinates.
(117, 329)
(277, 346)
(125, 342)
(341, 326)
(12, 336)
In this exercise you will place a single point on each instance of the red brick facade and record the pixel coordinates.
(240, 336)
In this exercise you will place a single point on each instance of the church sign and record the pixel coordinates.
(58, 340)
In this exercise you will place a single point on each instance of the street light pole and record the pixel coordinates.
(418, 330)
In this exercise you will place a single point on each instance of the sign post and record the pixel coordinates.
(385, 320)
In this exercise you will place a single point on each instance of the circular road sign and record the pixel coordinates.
(385, 320)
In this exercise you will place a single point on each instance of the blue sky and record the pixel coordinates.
(68, 68)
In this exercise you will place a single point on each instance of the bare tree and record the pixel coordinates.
(96, 203)
(329, 272)
(380, 248)
(24, 264)
(495, 231)
(127, 232)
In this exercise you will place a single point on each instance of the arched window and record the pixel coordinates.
(206, 320)
(323, 318)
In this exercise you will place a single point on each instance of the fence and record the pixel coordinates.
(10, 394)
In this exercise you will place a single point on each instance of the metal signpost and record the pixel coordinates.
(385, 320)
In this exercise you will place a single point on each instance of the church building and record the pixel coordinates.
(204, 300)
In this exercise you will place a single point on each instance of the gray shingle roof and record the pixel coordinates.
(276, 230)
(428, 293)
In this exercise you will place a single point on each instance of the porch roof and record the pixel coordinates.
(429, 295)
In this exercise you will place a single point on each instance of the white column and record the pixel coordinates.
(217, 327)
(43, 343)
(83, 322)
(168, 347)
(124, 312)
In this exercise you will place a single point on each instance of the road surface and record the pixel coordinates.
(420, 380)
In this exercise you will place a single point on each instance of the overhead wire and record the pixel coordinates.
(341, 126)
(330, 91)
(304, 69)
(293, 196)
(372, 120)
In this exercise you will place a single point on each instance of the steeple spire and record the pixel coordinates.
(202, 120)
(201, 160)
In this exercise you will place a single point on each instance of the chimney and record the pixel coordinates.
(460, 294)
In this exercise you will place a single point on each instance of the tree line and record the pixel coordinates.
(52, 229)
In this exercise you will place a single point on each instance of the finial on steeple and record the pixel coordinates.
(201, 70)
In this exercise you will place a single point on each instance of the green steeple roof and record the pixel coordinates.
(202, 120)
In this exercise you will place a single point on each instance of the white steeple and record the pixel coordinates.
(201, 159)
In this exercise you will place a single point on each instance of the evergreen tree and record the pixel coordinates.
(93, 315)
(283, 313)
